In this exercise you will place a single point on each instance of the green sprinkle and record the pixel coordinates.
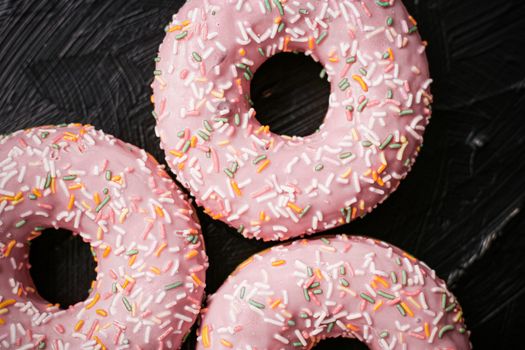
(389, 94)
(386, 55)
(363, 71)
(367, 298)
(383, 334)
(318, 291)
(303, 11)
(303, 315)
(366, 143)
(445, 329)
(322, 74)
(241, 229)
(305, 210)
(321, 37)
(386, 142)
(394, 145)
(267, 4)
(279, 6)
(249, 71)
(181, 35)
(44, 134)
(203, 135)
(20, 223)
(342, 270)
(412, 30)
(102, 204)
(386, 295)
(389, 21)
(362, 105)
(114, 288)
(291, 323)
(406, 112)
(319, 167)
(186, 146)
(157, 72)
(39, 228)
(55, 146)
(196, 56)
(180, 134)
(259, 158)
(229, 173)
(261, 52)
(344, 282)
(345, 155)
(443, 300)
(325, 240)
(280, 28)
(330, 327)
(243, 291)
(48, 181)
(241, 65)
(246, 76)
(297, 344)
(450, 307)
(343, 82)
(314, 285)
(403, 277)
(401, 310)
(383, 3)
(108, 175)
(69, 177)
(462, 330)
(350, 108)
(42, 345)
(306, 295)
(207, 125)
(32, 197)
(172, 285)
(407, 162)
(351, 59)
(255, 304)
(132, 252)
(126, 304)
(234, 166)
(237, 119)
(105, 191)
(156, 59)
(309, 271)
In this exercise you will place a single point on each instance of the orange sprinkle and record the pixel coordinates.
(132, 259)
(346, 174)
(176, 153)
(286, 41)
(277, 20)
(390, 54)
(242, 51)
(123, 215)
(155, 270)
(103, 347)
(412, 20)
(409, 256)
(186, 23)
(275, 303)
(71, 202)
(382, 281)
(174, 28)
(79, 325)
(159, 211)
(378, 305)
(36, 192)
(361, 82)
(226, 343)
(311, 42)
(262, 216)
(407, 309)
(196, 279)
(93, 301)
(160, 249)
(193, 141)
(116, 178)
(294, 207)
(334, 59)
(381, 168)
(352, 327)
(244, 264)
(263, 165)
(427, 330)
(9, 247)
(205, 337)
(278, 262)
(102, 312)
(181, 165)
(235, 188)
(106, 252)
(7, 302)
(191, 254)
(75, 186)
(318, 274)
(96, 198)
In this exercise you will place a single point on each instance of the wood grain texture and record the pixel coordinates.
(461, 209)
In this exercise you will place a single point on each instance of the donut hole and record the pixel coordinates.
(289, 94)
(340, 343)
(62, 267)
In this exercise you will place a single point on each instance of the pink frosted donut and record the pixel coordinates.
(275, 187)
(148, 245)
(292, 296)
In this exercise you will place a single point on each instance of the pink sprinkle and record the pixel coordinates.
(345, 70)
(183, 74)
(147, 230)
(45, 206)
(215, 160)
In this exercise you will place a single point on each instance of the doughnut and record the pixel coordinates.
(143, 233)
(274, 187)
(292, 296)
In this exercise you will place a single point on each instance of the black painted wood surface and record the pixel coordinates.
(461, 209)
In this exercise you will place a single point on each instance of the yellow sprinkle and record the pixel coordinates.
(176, 153)
(276, 303)
(155, 270)
(191, 254)
(346, 174)
(76, 186)
(159, 211)
(407, 309)
(3, 311)
(123, 215)
(218, 94)
(196, 279)
(352, 327)
(79, 325)
(244, 264)
(223, 142)
(71, 202)
(415, 303)
(294, 207)
(106, 252)
(93, 301)
(102, 312)
(186, 23)
(9, 247)
(85, 205)
(318, 274)
(7, 302)
(355, 135)
(361, 82)
(263, 165)
(226, 343)
(378, 305)
(205, 337)
(278, 262)
(235, 188)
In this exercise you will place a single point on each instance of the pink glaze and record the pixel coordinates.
(275, 187)
(294, 295)
(143, 231)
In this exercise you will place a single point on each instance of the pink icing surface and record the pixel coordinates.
(274, 187)
(294, 295)
(148, 245)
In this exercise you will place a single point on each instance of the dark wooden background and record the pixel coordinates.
(461, 209)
